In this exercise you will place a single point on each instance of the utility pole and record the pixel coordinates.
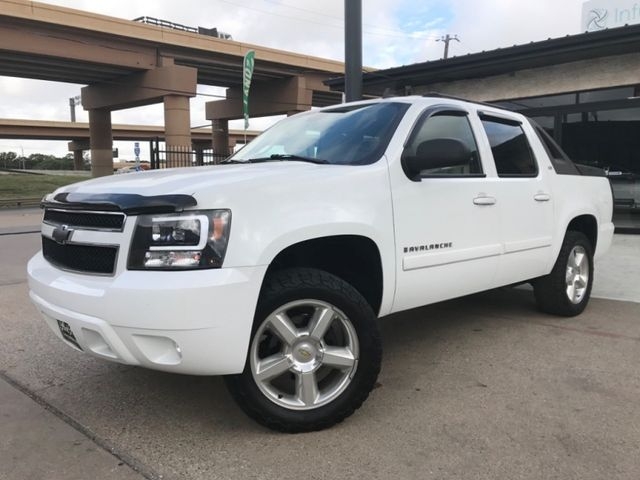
(446, 39)
(353, 50)
(73, 101)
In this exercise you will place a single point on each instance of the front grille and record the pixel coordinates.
(80, 258)
(88, 220)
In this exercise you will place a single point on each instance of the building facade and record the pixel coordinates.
(583, 89)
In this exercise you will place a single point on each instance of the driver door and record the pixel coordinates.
(446, 221)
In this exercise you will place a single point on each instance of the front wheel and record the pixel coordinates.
(314, 354)
(567, 289)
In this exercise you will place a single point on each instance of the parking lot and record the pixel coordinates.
(482, 387)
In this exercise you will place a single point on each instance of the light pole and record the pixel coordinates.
(73, 101)
(353, 50)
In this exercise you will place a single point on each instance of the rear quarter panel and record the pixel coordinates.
(577, 195)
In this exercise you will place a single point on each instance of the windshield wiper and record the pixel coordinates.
(302, 158)
(230, 161)
(284, 157)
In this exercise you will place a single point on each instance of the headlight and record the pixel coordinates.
(180, 241)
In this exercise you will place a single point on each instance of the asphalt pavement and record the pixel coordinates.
(482, 387)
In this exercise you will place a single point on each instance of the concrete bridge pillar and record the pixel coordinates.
(78, 160)
(220, 139)
(145, 88)
(199, 150)
(177, 121)
(177, 130)
(78, 148)
(101, 141)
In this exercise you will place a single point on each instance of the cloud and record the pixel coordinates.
(494, 24)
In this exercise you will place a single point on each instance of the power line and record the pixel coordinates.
(341, 26)
(393, 30)
(305, 10)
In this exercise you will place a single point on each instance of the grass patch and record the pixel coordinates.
(16, 185)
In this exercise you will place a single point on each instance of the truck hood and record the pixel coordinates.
(220, 181)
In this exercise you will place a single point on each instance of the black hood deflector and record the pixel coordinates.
(129, 203)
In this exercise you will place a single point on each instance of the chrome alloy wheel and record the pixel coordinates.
(577, 275)
(304, 354)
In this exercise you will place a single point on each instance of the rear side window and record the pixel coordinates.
(510, 147)
(550, 146)
(561, 163)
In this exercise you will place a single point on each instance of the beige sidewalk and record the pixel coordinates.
(36, 444)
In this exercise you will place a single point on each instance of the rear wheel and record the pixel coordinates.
(314, 355)
(567, 289)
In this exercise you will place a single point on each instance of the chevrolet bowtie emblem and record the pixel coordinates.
(304, 353)
(62, 234)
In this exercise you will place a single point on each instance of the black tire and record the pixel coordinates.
(351, 385)
(551, 290)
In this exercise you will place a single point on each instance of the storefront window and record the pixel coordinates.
(600, 128)
(546, 123)
(610, 139)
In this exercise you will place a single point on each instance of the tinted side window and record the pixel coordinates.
(511, 151)
(550, 146)
(442, 126)
(559, 159)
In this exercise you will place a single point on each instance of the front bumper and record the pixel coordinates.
(192, 322)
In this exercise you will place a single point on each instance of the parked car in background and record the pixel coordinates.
(626, 187)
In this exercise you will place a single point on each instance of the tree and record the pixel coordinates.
(8, 159)
(37, 161)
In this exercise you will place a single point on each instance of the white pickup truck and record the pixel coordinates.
(272, 267)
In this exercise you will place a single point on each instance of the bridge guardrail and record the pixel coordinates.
(20, 202)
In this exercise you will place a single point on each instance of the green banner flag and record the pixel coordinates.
(247, 72)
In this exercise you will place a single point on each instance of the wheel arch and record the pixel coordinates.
(586, 224)
(355, 259)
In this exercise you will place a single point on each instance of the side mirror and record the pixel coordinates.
(437, 153)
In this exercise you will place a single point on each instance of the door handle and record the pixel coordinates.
(542, 197)
(484, 200)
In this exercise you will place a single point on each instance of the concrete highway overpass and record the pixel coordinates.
(127, 64)
(77, 134)
(79, 131)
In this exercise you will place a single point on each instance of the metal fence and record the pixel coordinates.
(182, 156)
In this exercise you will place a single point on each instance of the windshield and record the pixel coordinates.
(348, 135)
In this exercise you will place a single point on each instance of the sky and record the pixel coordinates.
(398, 32)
